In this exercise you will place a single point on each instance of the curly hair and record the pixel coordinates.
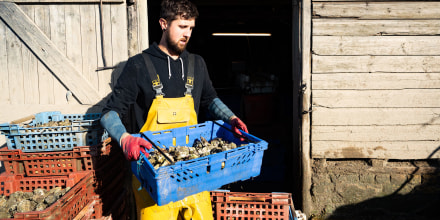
(174, 9)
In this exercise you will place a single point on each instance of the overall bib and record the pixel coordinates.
(167, 113)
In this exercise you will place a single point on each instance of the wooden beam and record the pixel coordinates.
(47, 52)
(370, 81)
(405, 98)
(354, 27)
(376, 133)
(375, 116)
(62, 1)
(401, 150)
(306, 144)
(377, 10)
(372, 64)
(376, 45)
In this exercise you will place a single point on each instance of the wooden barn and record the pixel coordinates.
(353, 124)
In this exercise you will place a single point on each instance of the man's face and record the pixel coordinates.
(178, 33)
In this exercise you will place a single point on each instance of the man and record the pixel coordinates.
(163, 88)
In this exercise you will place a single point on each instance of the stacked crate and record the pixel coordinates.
(67, 151)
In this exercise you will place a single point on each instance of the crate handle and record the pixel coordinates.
(18, 121)
(238, 198)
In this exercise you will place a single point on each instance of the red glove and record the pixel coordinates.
(236, 124)
(133, 146)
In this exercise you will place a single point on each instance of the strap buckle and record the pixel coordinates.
(189, 85)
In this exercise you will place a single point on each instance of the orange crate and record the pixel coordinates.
(56, 162)
(251, 206)
(67, 207)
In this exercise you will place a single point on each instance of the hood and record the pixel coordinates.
(155, 51)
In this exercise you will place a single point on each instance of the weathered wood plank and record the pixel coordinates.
(406, 98)
(58, 38)
(4, 73)
(89, 45)
(377, 10)
(371, 64)
(46, 51)
(376, 133)
(364, 81)
(375, 116)
(404, 150)
(45, 77)
(73, 35)
(104, 46)
(15, 68)
(306, 143)
(30, 84)
(63, 1)
(119, 39)
(376, 45)
(353, 27)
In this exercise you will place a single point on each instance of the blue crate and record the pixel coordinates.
(85, 130)
(184, 178)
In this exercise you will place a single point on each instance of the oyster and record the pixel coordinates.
(37, 200)
(200, 148)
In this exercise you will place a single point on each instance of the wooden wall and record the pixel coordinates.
(51, 51)
(375, 75)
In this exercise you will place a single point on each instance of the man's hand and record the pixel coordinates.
(132, 146)
(236, 124)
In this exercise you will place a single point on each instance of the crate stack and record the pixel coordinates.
(58, 150)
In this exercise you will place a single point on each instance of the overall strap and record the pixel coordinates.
(155, 81)
(190, 75)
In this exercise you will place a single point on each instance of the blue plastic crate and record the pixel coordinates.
(85, 130)
(184, 178)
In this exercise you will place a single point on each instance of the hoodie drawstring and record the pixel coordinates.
(169, 68)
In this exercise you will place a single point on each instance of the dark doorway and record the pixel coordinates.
(254, 77)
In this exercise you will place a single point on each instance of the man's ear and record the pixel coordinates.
(163, 24)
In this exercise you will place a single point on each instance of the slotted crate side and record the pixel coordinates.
(84, 130)
(184, 178)
(67, 207)
(58, 162)
(245, 205)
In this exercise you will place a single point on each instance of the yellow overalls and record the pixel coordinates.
(167, 113)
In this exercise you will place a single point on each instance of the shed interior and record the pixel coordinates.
(253, 75)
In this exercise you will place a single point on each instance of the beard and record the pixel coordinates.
(174, 46)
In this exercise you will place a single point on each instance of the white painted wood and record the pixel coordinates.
(30, 83)
(375, 116)
(143, 26)
(47, 52)
(406, 98)
(370, 64)
(376, 45)
(376, 133)
(104, 76)
(89, 43)
(73, 35)
(306, 143)
(4, 74)
(353, 27)
(404, 150)
(15, 67)
(119, 41)
(58, 38)
(378, 10)
(45, 77)
(63, 1)
(368, 81)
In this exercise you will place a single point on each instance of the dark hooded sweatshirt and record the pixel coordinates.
(133, 93)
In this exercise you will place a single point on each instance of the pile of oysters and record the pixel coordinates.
(200, 148)
(37, 200)
(66, 122)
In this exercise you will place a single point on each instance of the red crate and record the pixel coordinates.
(68, 206)
(57, 162)
(245, 205)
